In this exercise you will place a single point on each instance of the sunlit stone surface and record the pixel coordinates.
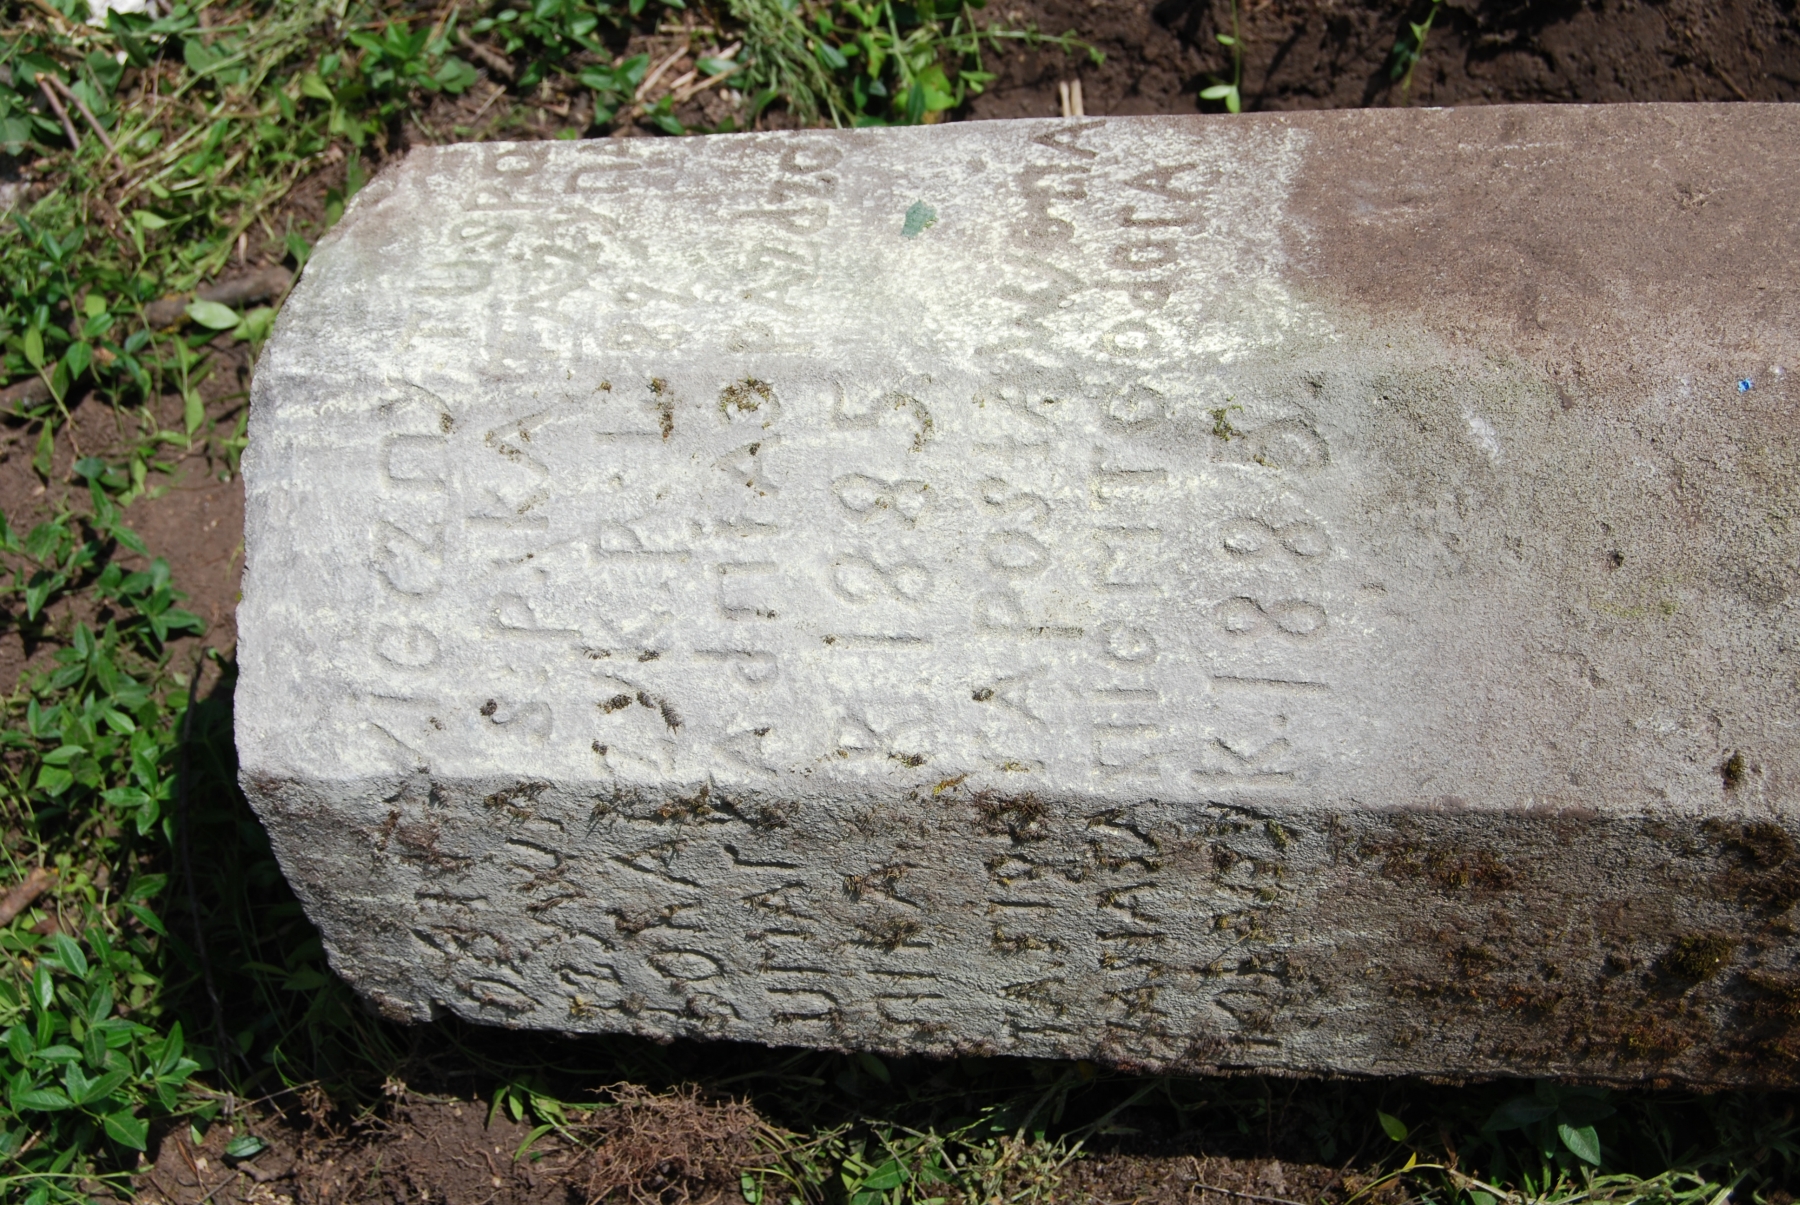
(1305, 593)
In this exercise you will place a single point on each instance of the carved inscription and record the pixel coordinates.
(752, 643)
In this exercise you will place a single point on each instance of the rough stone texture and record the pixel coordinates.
(1303, 593)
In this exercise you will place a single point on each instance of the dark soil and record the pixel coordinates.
(665, 1148)
(420, 1148)
(1298, 54)
(1336, 54)
(193, 516)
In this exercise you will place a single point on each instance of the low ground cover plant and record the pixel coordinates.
(155, 971)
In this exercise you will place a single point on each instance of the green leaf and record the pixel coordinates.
(1225, 39)
(15, 132)
(872, 1065)
(1392, 1126)
(1518, 1113)
(146, 886)
(305, 979)
(77, 359)
(1216, 92)
(129, 539)
(212, 315)
(454, 76)
(244, 1146)
(937, 90)
(888, 1175)
(70, 955)
(1583, 1143)
(170, 1051)
(256, 325)
(193, 412)
(42, 459)
(537, 1132)
(146, 917)
(198, 56)
(43, 1100)
(34, 346)
(100, 1005)
(126, 1130)
(101, 1088)
(148, 220)
(39, 589)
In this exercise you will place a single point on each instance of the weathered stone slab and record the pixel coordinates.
(1300, 592)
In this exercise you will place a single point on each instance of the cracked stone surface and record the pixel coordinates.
(1308, 592)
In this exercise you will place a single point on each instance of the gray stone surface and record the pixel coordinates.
(1295, 592)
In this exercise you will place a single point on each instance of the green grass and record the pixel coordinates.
(180, 971)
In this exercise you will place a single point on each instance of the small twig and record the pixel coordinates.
(683, 96)
(1069, 92)
(496, 95)
(192, 1166)
(88, 114)
(56, 18)
(448, 15)
(1230, 1192)
(209, 1196)
(487, 54)
(561, 110)
(643, 89)
(56, 108)
(26, 893)
(697, 89)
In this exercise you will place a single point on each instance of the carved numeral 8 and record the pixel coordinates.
(1247, 619)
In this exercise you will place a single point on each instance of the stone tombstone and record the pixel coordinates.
(1304, 593)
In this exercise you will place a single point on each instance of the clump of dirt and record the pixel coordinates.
(420, 1148)
(1020, 817)
(1697, 957)
(668, 1148)
(1217, 1180)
